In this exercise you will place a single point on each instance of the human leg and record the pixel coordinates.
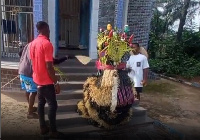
(23, 87)
(27, 94)
(50, 97)
(32, 101)
(41, 104)
(52, 104)
(138, 91)
(31, 109)
(31, 90)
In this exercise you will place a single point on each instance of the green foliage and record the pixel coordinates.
(167, 55)
(191, 44)
(187, 67)
(174, 58)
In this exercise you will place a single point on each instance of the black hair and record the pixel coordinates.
(137, 44)
(41, 25)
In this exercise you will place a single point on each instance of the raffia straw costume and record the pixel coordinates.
(108, 97)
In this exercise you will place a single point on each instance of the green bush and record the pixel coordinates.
(187, 67)
(176, 58)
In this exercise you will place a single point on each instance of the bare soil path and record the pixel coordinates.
(174, 104)
(14, 123)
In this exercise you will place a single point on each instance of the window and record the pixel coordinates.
(17, 25)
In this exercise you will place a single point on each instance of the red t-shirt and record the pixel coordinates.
(41, 51)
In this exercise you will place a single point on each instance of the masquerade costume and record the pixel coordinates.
(108, 97)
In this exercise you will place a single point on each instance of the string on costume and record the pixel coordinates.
(10, 81)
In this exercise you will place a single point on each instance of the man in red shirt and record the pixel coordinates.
(41, 54)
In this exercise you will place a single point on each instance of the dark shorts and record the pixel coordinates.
(138, 90)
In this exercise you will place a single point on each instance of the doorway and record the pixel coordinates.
(74, 21)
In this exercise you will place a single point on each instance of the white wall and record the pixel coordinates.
(126, 11)
(52, 22)
(94, 29)
(2, 8)
(1, 43)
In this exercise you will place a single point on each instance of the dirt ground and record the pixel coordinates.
(174, 104)
(14, 122)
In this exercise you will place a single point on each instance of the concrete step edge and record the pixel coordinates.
(87, 128)
(73, 114)
(72, 82)
(76, 67)
(75, 101)
(75, 91)
(76, 74)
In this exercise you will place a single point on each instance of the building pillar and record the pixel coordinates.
(47, 11)
(126, 11)
(121, 14)
(37, 14)
(94, 19)
(53, 20)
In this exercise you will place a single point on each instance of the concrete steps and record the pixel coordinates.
(76, 76)
(78, 69)
(68, 120)
(85, 128)
(76, 63)
(70, 94)
(71, 105)
(71, 85)
(75, 127)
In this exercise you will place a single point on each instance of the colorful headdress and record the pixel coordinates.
(113, 45)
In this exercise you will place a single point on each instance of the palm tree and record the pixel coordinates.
(184, 12)
(177, 10)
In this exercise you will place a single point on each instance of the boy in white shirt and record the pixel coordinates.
(138, 65)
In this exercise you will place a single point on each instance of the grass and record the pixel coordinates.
(159, 87)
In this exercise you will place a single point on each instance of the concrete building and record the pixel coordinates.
(75, 23)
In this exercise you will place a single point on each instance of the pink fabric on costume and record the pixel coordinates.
(101, 66)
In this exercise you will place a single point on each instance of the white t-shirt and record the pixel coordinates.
(137, 63)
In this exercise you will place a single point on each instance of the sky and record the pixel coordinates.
(195, 21)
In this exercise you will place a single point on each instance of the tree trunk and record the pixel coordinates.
(183, 19)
